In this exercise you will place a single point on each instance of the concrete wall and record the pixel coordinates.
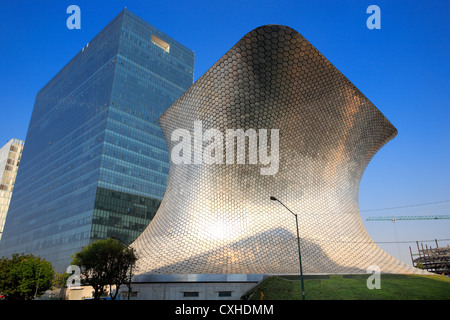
(172, 291)
(188, 291)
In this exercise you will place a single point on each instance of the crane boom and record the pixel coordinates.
(395, 218)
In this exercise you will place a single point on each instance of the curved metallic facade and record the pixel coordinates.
(218, 218)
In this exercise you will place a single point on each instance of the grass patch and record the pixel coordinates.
(339, 287)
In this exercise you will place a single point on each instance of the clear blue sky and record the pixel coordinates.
(403, 68)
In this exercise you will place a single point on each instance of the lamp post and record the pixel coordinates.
(298, 244)
(131, 267)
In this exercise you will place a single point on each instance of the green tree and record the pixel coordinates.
(105, 263)
(120, 269)
(60, 282)
(25, 277)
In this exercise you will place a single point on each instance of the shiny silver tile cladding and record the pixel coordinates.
(218, 219)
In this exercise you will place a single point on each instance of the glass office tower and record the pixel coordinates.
(10, 155)
(96, 164)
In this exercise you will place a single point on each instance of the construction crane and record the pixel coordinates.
(436, 260)
(395, 218)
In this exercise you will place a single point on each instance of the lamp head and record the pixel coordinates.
(273, 198)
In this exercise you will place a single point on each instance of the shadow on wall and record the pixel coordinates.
(255, 255)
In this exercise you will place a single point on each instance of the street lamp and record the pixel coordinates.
(298, 244)
(131, 267)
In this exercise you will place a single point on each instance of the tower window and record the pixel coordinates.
(160, 43)
(190, 294)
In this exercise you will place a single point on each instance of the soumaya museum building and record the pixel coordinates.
(217, 219)
(122, 143)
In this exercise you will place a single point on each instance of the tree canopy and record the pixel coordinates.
(25, 277)
(105, 263)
